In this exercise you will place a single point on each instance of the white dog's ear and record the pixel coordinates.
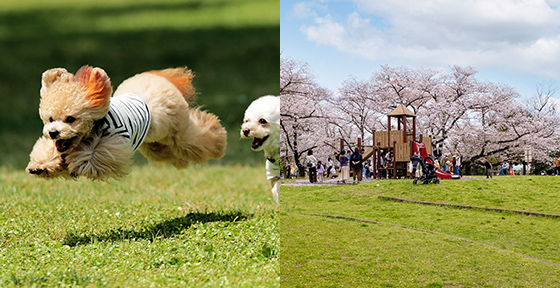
(53, 75)
(97, 85)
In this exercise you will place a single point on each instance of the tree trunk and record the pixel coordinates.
(467, 170)
(301, 170)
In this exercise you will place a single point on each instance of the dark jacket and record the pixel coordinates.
(356, 157)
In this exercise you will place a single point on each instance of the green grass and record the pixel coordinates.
(232, 46)
(206, 226)
(461, 248)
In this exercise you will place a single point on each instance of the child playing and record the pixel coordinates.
(320, 171)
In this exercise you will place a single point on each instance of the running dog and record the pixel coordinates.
(262, 123)
(88, 133)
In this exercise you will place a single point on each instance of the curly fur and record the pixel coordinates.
(96, 157)
(70, 105)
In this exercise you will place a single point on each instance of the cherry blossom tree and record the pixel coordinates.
(475, 118)
(358, 114)
(302, 112)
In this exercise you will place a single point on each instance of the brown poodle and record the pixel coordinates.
(87, 132)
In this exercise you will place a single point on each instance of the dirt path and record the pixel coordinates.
(331, 182)
(305, 182)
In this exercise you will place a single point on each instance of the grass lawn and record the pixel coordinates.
(417, 245)
(206, 226)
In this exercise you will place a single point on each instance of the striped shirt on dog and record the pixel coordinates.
(129, 117)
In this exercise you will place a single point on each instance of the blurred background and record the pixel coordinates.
(233, 46)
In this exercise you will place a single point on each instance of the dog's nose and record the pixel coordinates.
(246, 132)
(54, 133)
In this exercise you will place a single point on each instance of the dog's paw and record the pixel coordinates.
(47, 170)
(35, 171)
(45, 161)
(42, 171)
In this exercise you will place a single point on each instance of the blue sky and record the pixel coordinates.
(515, 42)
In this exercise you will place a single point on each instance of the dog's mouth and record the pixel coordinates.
(258, 142)
(62, 145)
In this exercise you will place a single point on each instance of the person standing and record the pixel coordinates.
(311, 164)
(488, 167)
(330, 166)
(382, 171)
(366, 170)
(356, 164)
(320, 171)
(556, 164)
(456, 163)
(388, 164)
(344, 168)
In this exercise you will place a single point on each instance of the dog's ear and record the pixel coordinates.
(96, 83)
(53, 75)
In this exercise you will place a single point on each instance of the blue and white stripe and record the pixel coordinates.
(129, 117)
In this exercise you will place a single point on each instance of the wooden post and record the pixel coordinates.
(373, 161)
(394, 160)
(411, 154)
(404, 128)
(388, 131)
(373, 154)
(378, 165)
(414, 128)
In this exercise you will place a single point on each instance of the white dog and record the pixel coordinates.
(262, 123)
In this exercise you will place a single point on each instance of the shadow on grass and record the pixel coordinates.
(165, 229)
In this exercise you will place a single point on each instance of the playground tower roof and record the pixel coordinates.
(401, 111)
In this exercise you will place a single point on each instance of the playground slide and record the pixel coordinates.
(367, 154)
(444, 175)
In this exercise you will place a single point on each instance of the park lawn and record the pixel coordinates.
(205, 226)
(417, 245)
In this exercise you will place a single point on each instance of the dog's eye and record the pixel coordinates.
(262, 121)
(70, 119)
(50, 119)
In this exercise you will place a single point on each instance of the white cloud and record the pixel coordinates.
(303, 10)
(357, 36)
(517, 35)
(326, 32)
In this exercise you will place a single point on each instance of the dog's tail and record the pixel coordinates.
(180, 78)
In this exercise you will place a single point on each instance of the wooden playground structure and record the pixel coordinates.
(398, 143)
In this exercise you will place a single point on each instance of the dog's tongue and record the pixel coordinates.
(60, 144)
(257, 142)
